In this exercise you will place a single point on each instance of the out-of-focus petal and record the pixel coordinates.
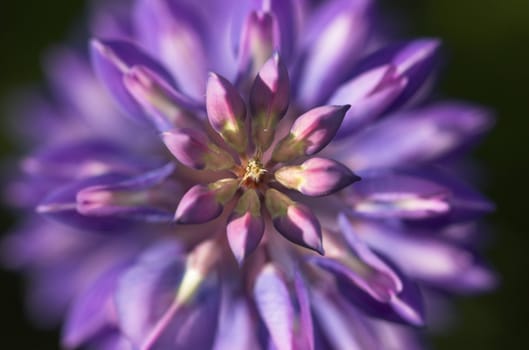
(61, 205)
(399, 196)
(413, 137)
(371, 283)
(429, 258)
(163, 105)
(92, 311)
(284, 312)
(174, 32)
(148, 197)
(416, 61)
(333, 43)
(370, 94)
(112, 60)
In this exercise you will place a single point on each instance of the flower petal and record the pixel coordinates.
(259, 39)
(148, 197)
(269, 99)
(429, 258)
(226, 111)
(372, 284)
(174, 32)
(316, 177)
(415, 61)
(245, 226)
(273, 302)
(370, 94)
(202, 203)
(333, 43)
(415, 137)
(399, 196)
(294, 221)
(61, 205)
(310, 133)
(165, 106)
(112, 60)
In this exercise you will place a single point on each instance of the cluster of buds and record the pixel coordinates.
(253, 169)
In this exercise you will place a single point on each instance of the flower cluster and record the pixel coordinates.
(272, 178)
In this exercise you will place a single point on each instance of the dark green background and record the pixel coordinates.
(487, 46)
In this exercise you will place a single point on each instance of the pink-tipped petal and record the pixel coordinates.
(226, 111)
(294, 221)
(246, 225)
(310, 133)
(194, 149)
(203, 203)
(316, 177)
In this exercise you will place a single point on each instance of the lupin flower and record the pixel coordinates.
(293, 193)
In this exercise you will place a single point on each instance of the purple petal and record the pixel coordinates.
(162, 104)
(415, 61)
(174, 32)
(61, 205)
(333, 43)
(194, 149)
(380, 289)
(112, 60)
(415, 137)
(204, 203)
(236, 326)
(147, 289)
(82, 159)
(344, 326)
(294, 221)
(369, 94)
(286, 13)
(269, 99)
(274, 304)
(259, 39)
(92, 311)
(310, 133)
(226, 111)
(399, 196)
(148, 197)
(316, 177)
(430, 258)
(245, 226)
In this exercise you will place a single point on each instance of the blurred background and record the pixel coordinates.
(487, 50)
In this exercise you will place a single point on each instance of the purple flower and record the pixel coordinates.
(245, 175)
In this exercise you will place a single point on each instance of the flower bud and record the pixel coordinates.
(294, 221)
(316, 177)
(226, 111)
(193, 149)
(269, 100)
(204, 203)
(246, 225)
(310, 133)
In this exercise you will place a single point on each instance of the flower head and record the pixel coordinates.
(297, 196)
